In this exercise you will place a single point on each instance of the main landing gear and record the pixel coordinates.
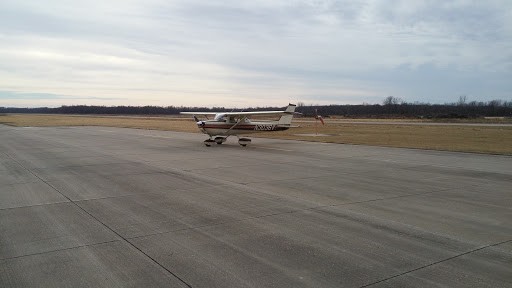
(219, 140)
(244, 141)
(208, 142)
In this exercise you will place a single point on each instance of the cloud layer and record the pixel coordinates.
(259, 53)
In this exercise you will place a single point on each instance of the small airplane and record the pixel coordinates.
(225, 124)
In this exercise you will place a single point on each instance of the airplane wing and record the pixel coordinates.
(237, 113)
(255, 113)
(289, 110)
(199, 113)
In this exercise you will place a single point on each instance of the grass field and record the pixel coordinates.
(463, 138)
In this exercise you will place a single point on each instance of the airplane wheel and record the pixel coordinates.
(244, 141)
(220, 140)
(208, 142)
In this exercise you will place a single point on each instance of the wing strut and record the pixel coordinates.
(236, 124)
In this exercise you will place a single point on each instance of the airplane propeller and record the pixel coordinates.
(198, 122)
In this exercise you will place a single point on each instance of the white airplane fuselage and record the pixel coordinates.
(214, 127)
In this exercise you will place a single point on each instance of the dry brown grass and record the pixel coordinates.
(480, 139)
(155, 123)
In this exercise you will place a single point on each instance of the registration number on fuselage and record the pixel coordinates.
(264, 127)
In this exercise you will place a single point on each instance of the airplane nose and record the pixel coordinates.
(200, 123)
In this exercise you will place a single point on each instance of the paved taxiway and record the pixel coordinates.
(109, 207)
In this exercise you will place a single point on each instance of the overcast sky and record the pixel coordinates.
(252, 53)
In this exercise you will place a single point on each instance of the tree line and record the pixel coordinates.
(396, 107)
(391, 107)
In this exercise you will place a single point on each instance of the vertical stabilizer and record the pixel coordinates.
(286, 119)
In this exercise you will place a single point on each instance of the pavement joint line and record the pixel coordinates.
(260, 181)
(156, 136)
(287, 212)
(487, 173)
(273, 214)
(89, 165)
(278, 149)
(129, 195)
(103, 224)
(437, 262)
(380, 199)
(21, 183)
(85, 165)
(58, 250)
(110, 175)
(35, 205)
(218, 224)
(348, 203)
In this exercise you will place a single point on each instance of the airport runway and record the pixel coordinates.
(111, 207)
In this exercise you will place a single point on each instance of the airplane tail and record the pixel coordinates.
(286, 119)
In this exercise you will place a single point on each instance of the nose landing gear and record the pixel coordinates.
(219, 140)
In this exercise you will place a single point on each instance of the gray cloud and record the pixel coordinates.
(257, 52)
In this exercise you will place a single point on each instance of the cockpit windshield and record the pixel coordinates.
(220, 117)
